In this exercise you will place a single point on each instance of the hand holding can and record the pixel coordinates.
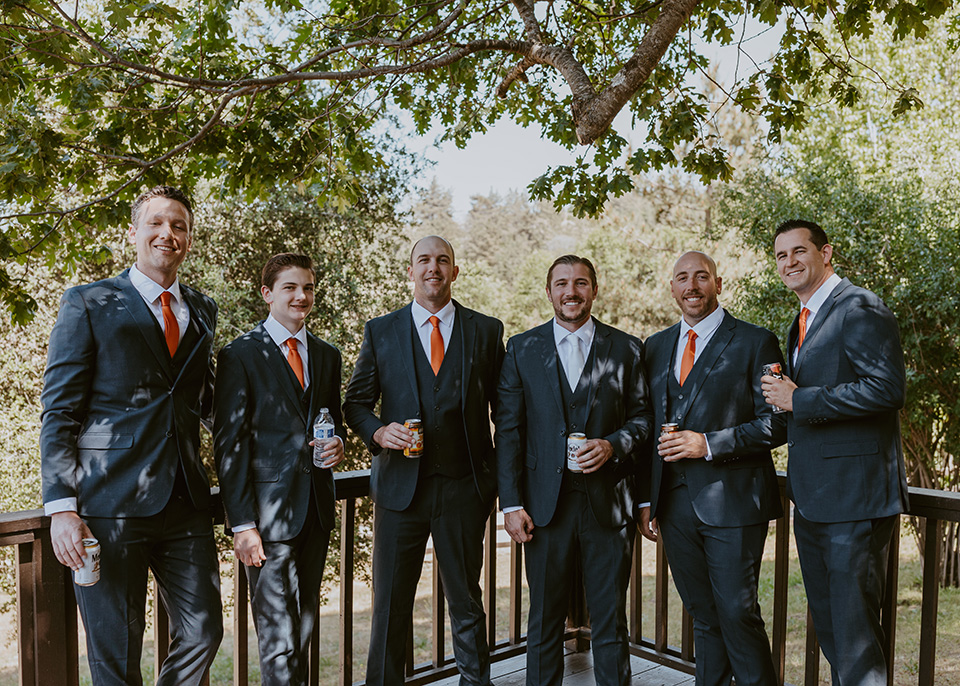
(776, 371)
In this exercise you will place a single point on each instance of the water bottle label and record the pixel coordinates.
(323, 432)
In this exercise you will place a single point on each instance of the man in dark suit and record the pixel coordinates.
(844, 387)
(436, 361)
(128, 378)
(714, 488)
(573, 374)
(271, 384)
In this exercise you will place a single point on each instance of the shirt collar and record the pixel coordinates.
(421, 314)
(705, 327)
(149, 289)
(278, 332)
(817, 299)
(584, 333)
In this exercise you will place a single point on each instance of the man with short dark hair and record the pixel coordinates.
(128, 379)
(844, 387)
(572, 375)
(272, 383)
(714, 488)
(436, 361)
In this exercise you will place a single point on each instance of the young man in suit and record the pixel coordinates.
(436, 361)
(714, 488)
(271, 384)
(573, 374)
(844, 387)
(128, 379)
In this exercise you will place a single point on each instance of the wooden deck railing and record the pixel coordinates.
(48, 650)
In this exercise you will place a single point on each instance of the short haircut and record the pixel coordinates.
(281, 261)
(572, 260)
(453, 255)
(817, 234)
(160, 192)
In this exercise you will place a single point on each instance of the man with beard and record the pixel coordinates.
(573, 374)
(844, 386)
(714, 488)
(436, 361)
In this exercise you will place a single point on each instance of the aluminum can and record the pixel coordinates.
(776, 371)
(89, 574)
(574, 444)
(669, 428)
(416, 426)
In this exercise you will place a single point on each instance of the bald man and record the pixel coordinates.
(713, 487)
(436, 361)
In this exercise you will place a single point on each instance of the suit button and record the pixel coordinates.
(790, 444)
(559, 470)
(436, 389)
(573, 406)
(306, 470)
(573, 426)
(436, 407)
(169, 434)
(563, 432)
(680, 396)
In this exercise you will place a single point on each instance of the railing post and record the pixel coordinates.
(660, 621)
(926, 667)
(781, 580)
(888, 606)
(635, 597)
(438, 614)
(48, 616)
(516, 592)
(348, 520)
(490, 579)
(241, 604)
(811, 660)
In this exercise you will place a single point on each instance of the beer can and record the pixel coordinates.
(669, 428)
(575, 443)
(89, 574)
(776, 371)
(415, 426)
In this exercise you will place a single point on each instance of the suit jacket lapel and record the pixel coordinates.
(468, 336)
(315, 365)
(280, 368)
(708, 358)
(548, 353)
(140, 312)
(601, 362)
(817, 322)
(203, 338)
(403, 330)
(661, 375)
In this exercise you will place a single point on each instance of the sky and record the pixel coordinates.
(509, 157)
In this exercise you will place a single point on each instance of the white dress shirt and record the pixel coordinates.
(816, 303)
(583, 335)
(423, 327)
(280, 335)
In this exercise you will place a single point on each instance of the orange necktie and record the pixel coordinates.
(436, 346)
(804, 313)
(689, 353)
(171, 330)
(293, 357)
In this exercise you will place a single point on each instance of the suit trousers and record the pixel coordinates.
(177, 545)
(284, 597)
(716, 570)
(452, 512)
(607, 555)
(844, 566)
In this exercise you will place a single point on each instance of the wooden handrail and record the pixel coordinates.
(48, 648)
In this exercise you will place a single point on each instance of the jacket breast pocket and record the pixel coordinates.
(849, 449)
(104, 441)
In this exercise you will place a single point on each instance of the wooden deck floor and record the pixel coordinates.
(578, 671)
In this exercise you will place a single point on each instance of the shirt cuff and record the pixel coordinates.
(709, 455)
(512, 508)
(643, 505)
(246, 526)
(60, 505)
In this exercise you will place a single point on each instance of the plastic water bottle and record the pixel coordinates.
(322, 432)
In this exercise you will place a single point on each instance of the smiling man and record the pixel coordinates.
(844, 387)
(713, 487)
(128, 379)
(271, 384)
(438, 362)
(572, 375)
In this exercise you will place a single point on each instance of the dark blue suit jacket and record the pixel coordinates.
(118, 413)
(722, 398)
(846, 459)
(385, 372)
(263, 429)
(531, 433)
